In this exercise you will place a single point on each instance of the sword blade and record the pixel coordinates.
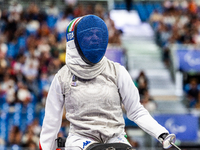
(175, 145)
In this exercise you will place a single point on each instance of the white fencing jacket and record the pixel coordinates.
(92, 97)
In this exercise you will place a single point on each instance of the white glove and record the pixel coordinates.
(166, 140)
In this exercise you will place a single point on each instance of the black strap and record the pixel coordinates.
(109, 146)
(60, 142)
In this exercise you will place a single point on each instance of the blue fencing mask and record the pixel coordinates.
(90, 35)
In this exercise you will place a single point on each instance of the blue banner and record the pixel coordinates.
(185, 127)
(189, 60)
(116, 55)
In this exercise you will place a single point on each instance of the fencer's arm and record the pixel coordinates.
(53, 116)
(135, 111)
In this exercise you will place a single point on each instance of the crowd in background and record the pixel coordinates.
(179, 23)
(32, 50)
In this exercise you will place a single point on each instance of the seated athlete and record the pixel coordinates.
(93, 89)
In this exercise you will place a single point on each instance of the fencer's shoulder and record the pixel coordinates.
(113, 67)
(64, 69)
(64, 75)
(113, 64)
(64, 72)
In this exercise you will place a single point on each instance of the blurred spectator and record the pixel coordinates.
(8, 87)
(15, 136)
(99, 11)
(44, 81)
(36, 127)
(17, 68)
(3, 60)
(166, 56)
(184, 5)
(31, 145)
(32, 26)
(13, 17)
(155, 17)
(15, 10)
(62, 50)
(54, 66)
(23, 94)
(32, 12)
(10, 93)
(53, 46)
(71, 2)
(31, 65)
(15, 7)
(148, 102)
(43, 46)
(167, 4)
(79, 10)
(3, 46)
(65, 19)
(61, 26)
(69, 12)
(2, 142)
(29, 137)
(164, 33)
(52, 10)
(142, 88)
(44, 93)
(192, 92)
(31, 42)
(197, 106)
(52, 13)
(114, 34)
(192, 7)
(45, 59)
(142, 82)
(43, 30)
(89, 9)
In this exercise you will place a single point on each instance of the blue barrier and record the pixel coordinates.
(188, 60)
(185, 126)
(116, 54)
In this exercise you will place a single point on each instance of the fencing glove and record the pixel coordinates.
(166, 139)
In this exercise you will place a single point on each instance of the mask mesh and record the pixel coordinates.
(92, 38)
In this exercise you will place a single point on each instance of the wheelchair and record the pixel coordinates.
(93, 146)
